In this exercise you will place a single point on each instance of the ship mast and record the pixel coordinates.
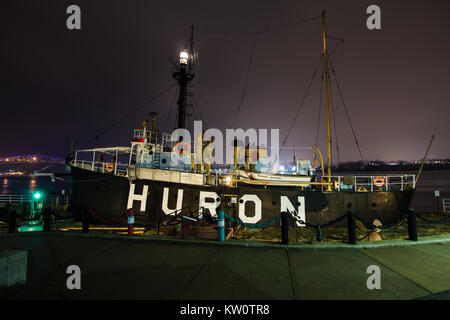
(325, 63)
(184, 73)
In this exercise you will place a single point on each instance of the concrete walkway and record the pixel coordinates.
(113, 267)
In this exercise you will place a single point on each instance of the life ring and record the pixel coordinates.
(109, 167)
(178, 144)
(379, 181)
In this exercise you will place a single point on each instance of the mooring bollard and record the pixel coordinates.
(130, 222)
(12, 221)
(221, 225)
(47, 215)
(351, 226)
(86, 221)
(285, 228)
(412, 229)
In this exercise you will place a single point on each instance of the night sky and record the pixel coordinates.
(58, 85)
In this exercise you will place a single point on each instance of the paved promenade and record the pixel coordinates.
(114, 267)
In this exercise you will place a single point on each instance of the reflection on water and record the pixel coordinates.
(29, 184)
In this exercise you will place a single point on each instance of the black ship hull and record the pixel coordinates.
(108, 197)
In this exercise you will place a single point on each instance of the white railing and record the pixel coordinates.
(446, 205)
(372, 183)
(53, 200)
(103, 167)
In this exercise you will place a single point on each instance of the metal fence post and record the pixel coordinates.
(351, 225)
(412, 228)
(284, 227)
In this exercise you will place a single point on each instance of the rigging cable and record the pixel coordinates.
(170, 110)
(333, 112)
(246, 82)
(195, 104)
(345, 108)
(301, 103)
(126, 116)
(320, 105)
(261, 31)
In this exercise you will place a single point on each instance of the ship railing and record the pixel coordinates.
(371, 183)
(52, 200)
(102, 167)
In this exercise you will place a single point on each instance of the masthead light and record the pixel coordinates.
(184, 56)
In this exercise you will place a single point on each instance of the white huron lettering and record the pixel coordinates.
(211, 206)
(137, 197)
(286, 205)
(165, 202)
(253, 198)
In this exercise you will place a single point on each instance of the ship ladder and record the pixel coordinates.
(157, 157)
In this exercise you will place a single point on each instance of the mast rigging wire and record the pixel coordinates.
(170, 110)
(301, 103)
(320, 106)
(148, 102)
(246, 82)
(333, 113)
(345, 108)
(261, 31)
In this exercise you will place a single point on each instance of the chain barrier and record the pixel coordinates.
(249, 225)
(388, 226)
(443, 220)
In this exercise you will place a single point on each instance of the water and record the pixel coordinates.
(26, 184)
(423, 200)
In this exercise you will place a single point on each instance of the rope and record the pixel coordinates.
(246, 82)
